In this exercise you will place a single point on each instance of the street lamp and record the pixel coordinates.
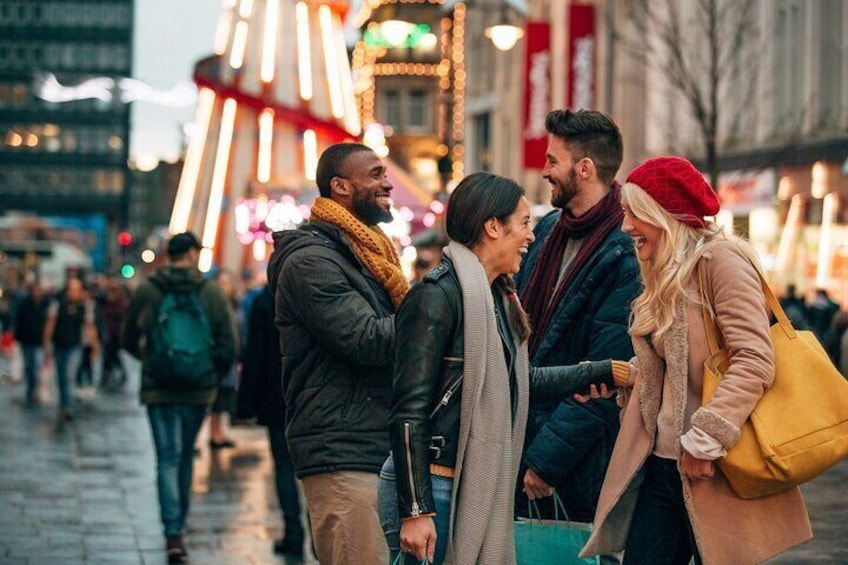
(504, 36)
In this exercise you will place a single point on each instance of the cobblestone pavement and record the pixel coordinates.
(84, 492)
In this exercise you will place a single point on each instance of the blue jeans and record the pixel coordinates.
(387, 505)
(174, 428)
(32, 363)
(660, 533)
(68, 360)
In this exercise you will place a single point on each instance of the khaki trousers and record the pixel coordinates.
(343, 512)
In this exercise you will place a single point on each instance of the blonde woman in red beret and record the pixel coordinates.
(664, 500)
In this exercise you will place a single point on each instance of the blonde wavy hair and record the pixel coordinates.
(665, 276)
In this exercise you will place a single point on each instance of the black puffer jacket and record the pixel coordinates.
(427, 377)
(336, 327)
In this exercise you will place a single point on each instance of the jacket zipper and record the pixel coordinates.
(446, 397)
(416, 510)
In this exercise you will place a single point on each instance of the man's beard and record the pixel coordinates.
(365, 208)
(567, 191)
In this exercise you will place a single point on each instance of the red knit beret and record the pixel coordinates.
(678, 187)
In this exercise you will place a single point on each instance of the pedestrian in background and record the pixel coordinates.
(71, 320)
(337, 282)
(260, 396)
(177, 310)
(462, 384)
(664, 500)
(31, 317)
(576, 283)
(225, 400)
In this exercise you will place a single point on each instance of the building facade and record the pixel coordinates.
(64, 131)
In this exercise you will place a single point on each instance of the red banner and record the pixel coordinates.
(537, 93)
(581, 56)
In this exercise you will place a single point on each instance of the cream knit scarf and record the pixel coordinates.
(489, 449)
(370, 244)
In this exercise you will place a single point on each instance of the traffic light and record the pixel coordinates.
(125, 240)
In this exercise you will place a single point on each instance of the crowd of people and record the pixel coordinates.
(562, 360)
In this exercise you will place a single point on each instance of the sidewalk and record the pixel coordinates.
(85, 492)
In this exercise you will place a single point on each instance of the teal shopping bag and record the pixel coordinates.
(551, 542)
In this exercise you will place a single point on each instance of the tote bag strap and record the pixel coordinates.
(771, 300)
(709, 323)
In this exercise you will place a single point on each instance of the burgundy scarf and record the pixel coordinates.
(542, 295)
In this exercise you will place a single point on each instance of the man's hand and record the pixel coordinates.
(418, 537)
(696, 469)
(535, 487)
(594, 393)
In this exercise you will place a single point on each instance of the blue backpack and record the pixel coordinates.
(179, 344)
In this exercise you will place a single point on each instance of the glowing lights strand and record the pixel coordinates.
(304, 58)
(219, 178)
(830, 208)
(191, 168)
(266, 128)
(269, 41)
(239, 44)
(222, 32)
(245, 8)
(351, 115)
(787, 236)
(331, 65)
(458, 58)
(310, 154)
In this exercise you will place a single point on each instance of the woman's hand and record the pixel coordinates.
(418, 537)
(696, 469)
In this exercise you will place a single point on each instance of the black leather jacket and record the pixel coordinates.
(427, 378)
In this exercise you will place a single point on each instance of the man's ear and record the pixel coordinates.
(492, 228)
(586, 169)
(339, 187)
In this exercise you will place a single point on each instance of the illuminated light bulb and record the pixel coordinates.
(304, 60)
(239, 44)
(395, 32)
(269, 41)
(219, 174)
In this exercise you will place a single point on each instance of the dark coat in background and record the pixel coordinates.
(260, 393)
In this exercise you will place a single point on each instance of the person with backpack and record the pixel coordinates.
(181, 328)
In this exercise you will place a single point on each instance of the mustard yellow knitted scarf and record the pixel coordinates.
(370, 244)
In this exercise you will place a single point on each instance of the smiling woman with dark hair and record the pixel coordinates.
(461, 386)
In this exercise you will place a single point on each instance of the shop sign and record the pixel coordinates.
(581, 56)
(742, 191)
(537, 93)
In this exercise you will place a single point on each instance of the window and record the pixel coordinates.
(418, 109)
(391, 103)
(405, 110)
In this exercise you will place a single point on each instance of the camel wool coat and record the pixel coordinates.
(728, 530)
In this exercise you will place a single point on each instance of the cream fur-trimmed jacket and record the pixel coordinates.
(728, 529)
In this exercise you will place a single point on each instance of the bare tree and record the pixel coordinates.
(702, 48)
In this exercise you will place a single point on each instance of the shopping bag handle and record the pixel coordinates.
(558, 506)
(397, 560)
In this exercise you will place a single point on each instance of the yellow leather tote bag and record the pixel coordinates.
(799, 428)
